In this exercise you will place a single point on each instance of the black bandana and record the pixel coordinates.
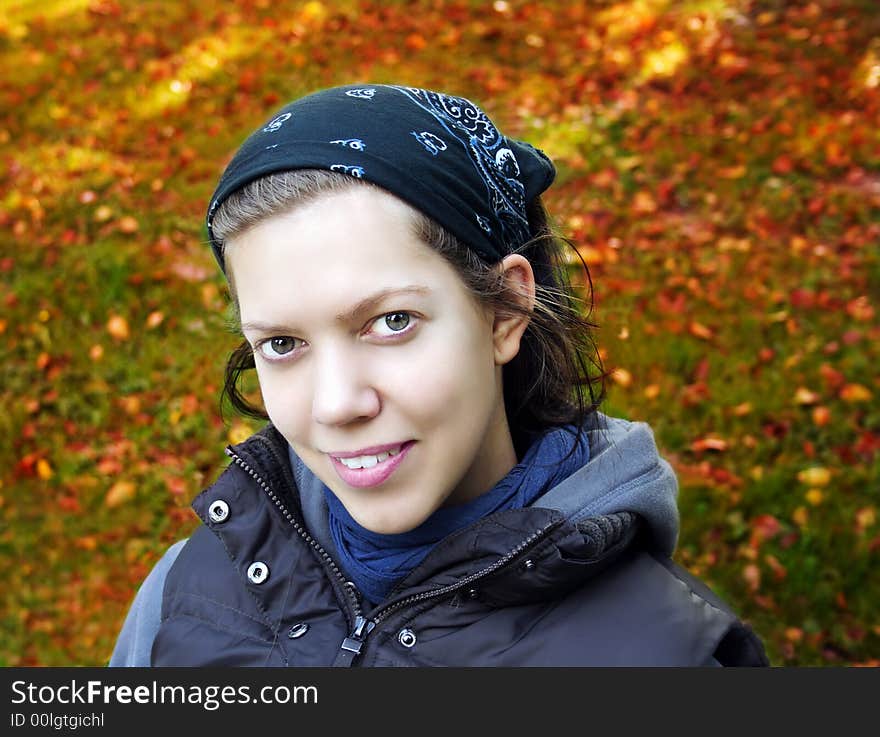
(439, 153)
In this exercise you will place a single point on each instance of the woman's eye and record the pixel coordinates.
(274, 348)
(393, 322)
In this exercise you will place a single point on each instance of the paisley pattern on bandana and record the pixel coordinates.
(433, 144)
(362, 94)
(439, 153)
(354, 143)
(276, 123)
(354, 171)
(490, 153)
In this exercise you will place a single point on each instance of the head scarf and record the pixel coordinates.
(441, 154)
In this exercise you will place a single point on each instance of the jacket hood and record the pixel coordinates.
(625, 473)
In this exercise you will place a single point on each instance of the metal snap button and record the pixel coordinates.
(218, 511)
(406, 637)
(528, 565)
(298, 630)
(473, 593)
(258, 572)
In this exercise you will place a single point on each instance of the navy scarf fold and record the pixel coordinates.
(376, 562)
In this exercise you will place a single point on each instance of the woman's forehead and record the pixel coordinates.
(349, 255)
(333, 254)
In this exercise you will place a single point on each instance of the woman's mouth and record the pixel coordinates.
(370, 466)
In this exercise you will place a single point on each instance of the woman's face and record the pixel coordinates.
(374, 361)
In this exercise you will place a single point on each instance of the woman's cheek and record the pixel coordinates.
(282, 398)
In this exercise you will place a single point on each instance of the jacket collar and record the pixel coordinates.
(513, 556)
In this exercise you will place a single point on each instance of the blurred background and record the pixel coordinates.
(719, 171)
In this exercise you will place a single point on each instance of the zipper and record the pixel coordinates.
(353, 644)
(452, 588)
(303, 533)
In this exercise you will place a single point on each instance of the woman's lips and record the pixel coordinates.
(362, 478)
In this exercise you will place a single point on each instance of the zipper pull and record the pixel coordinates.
(351, 645)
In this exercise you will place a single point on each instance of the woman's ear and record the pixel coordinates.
(508, 329)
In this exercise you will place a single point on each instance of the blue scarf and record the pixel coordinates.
(376, 562)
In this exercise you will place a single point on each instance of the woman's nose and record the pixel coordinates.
(342, 392)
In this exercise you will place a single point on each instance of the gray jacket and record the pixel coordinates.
(581, 577)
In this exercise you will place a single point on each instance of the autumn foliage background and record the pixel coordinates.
(719, 170)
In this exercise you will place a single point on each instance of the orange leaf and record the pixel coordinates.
(117, 326)
(416, 42)
(764, 527)
(128, 224)
(700, 331)
(752, 576)
(732, 172)
(821, 416)
(709, 443)
(855, 393)
(860, 309)
(644, 203)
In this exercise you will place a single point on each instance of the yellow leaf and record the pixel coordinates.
(154, 319)
(622, 377)
(815, 476)
(102, 214)
(805, 396)
(119, 493)
(239, 432)
(591, 255)
(314, 11)
(866, 517)
(801, 516)
(44, 470)
(815, 497)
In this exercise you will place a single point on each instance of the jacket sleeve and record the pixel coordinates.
(135, 640)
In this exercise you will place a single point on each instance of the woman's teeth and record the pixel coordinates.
(368, 461)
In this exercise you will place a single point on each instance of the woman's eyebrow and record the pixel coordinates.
(374, 299)
(350, 314)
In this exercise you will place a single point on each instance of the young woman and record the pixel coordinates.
(435, 485)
